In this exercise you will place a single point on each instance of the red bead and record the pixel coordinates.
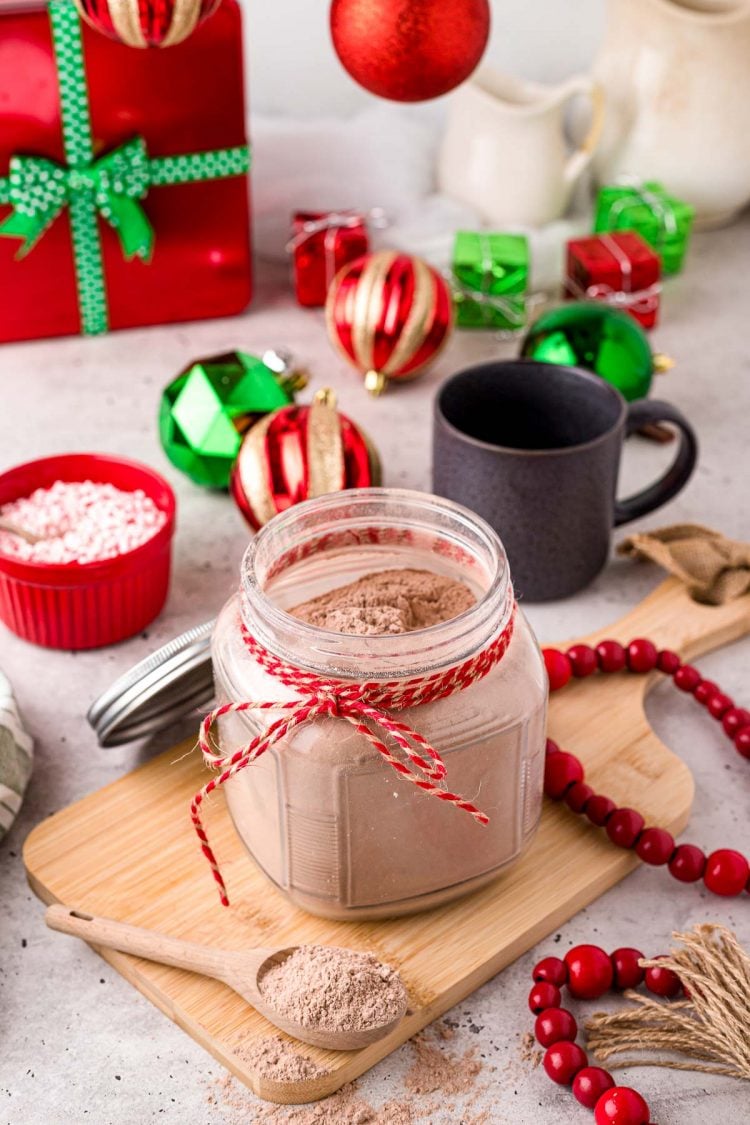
(578, 795)
(688, 863)
(611, 656)
(704, 690)
(589, 972)
(563, 1060)
(726, 872)
(590, 1083)
(624, 826)
(544, 995)
(742, 742)
(552, 970)
(655, 846)
(663, 982)
(583, 660)
(687, 678)
(628, 973)
(668, 661)
(551, 747)
(719, 704)
(642, 655)
(598, 808)
(621, 1106)
(555, 1025)
(561, 770)
(735, 719)
(559, 668)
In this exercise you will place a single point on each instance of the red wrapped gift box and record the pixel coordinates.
(322, 243)
(620, 269)
(185, 101)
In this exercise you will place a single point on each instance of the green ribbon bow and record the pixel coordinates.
(112, 185)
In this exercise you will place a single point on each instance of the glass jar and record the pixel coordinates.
(322, 814)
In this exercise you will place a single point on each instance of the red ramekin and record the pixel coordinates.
(86, 605)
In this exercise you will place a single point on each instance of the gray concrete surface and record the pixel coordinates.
(80, 1045)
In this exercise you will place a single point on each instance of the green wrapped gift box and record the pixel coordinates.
(662, 220)
(490, 277)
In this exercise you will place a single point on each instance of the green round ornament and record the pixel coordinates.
(601, 339)
(208, 407)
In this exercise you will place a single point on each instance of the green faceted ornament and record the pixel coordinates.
(207, 409)
(601, 339)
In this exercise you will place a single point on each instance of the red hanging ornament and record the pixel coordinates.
(298, 452)
(410, 50)
(389, 314)
(146, 23)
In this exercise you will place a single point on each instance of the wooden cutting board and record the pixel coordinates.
(129, 852)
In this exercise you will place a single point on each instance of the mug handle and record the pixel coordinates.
(679, 472)
(580, 159)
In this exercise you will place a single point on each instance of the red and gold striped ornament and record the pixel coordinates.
(298, 452)
(389, 314)
(146, 23)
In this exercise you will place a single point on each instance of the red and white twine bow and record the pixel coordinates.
(365, 705)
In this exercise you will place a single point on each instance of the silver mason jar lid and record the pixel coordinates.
(157, 691)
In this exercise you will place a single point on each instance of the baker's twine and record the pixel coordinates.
(359, 704)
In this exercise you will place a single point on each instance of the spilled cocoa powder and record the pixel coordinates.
(439, 1073)
(338, 989)
(388, 602)
(276, 1058)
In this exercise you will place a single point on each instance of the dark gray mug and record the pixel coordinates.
(535, 449)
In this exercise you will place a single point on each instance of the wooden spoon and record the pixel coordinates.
(241, 970)
(21, 532)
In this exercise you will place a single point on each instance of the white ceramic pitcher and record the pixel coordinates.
(677, 80)
(505, 151)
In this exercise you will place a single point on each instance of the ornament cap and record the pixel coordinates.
(376, 382)
(662, 363)
(326, 396)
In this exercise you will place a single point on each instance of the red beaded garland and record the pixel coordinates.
(704, 690)
(561, 770)
(621, 1106)
(726, 872)
(742, 742)
(552, 970)
(599, 808)
(589, 972)
(655, 846)
(734, 720)
(554, 1025)
(544, 995)
(668, 662)
(559, 668)
(687, 678)
(578, 795)
(627, 972)
(687, 864)
(662, 982)
(590, 1083)
(719, 704)
(563, 1060)
(611, 655)
(642, 655)
(624, 827)
(583, 660)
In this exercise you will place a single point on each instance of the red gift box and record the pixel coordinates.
(322, 243)
(152, 225)
(620, 269)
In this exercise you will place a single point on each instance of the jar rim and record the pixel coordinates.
(372, 656)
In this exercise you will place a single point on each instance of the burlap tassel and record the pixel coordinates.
(710, 1026)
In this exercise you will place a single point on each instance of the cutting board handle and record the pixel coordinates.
(672, 619)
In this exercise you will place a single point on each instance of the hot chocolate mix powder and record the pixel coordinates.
(388, 601)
